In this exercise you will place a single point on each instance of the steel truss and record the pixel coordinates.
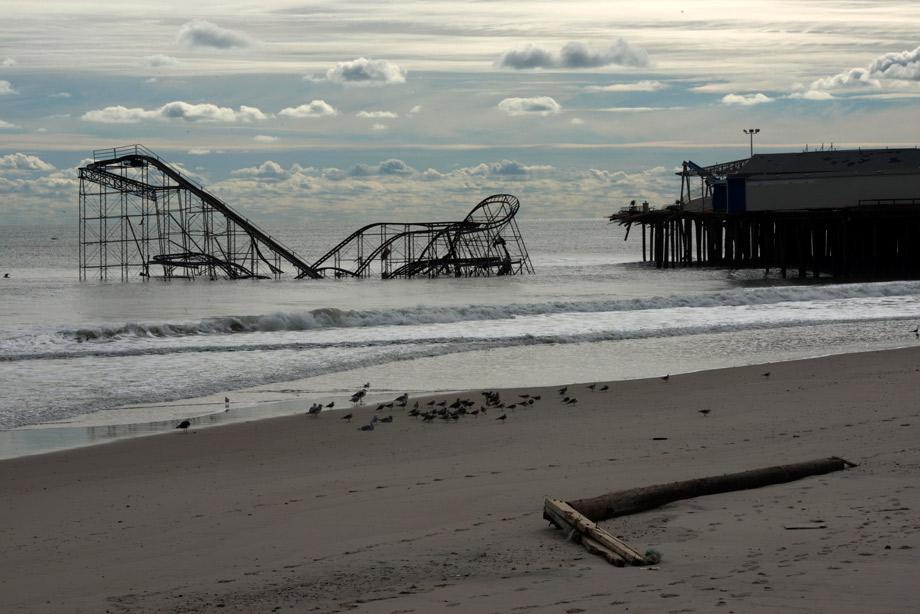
(140, 216)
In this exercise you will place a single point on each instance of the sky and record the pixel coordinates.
(294, 110)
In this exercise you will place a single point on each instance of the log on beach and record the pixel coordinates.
(636, 500)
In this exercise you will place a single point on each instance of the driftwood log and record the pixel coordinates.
(595, 539)
(637, 500)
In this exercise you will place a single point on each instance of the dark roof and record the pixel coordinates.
(836, 162)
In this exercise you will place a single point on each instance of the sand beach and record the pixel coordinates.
(311, 514)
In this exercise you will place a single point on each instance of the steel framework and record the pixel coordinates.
(138, 213)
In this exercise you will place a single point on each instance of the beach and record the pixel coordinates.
(306, 513)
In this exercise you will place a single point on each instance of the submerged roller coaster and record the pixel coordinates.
(141, 216)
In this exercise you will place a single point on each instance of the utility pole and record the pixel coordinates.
(752, 132)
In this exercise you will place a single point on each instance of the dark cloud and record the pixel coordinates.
(575, 55)
(201, 33)
(363, 71)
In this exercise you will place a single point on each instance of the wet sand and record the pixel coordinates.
(311, 514)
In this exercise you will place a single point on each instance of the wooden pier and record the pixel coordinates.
(876, 241)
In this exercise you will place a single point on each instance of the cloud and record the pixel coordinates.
(376, 115)
(198, 152)
(264, 138)
(574, 55)
(177, 110)
(160, 61)
(540, 105)
(529, 57)
(578, 55)
(200, 33)
(7, 62)
(745, 100)
(893, 66)
(811, 95)
(6, 88)
(638, 86)
(379, 127)
(316, 108)
(365, 72)
(24, 162)
(576, 121)
(393, 166)
(503, 168)
(7, 125)
(61, 95)
(267, 170)
(415, 110)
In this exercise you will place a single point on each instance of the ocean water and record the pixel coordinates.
(592, 311)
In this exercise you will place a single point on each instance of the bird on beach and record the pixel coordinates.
(226, 400)
(367, 385)
(767, 374)
(563, 389)
(184, 425)
(330, 405)
(666, 377)
(358, 397)
(366, 427)
(347, 417)
(502, 417)
(315, 409)
(605, 388)
(916, 330)
(387, 419)
(705, 412)
(535, 397)
(592, 386)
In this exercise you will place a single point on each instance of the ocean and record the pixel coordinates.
(83, 362)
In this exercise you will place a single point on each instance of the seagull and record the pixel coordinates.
(387, 419)
(367, 385)
(666, 377)
(535, 398)
(604, 388)
(502, 417)
(315, 409)
(347, 417)
(563, 389)
(524, 396)
(358, 397)
(592, 386)
(226, 400)
(916, 330)
(367, 427)
(6, 276)
(184, 425)
(330, 405)
(767, 374)
(705, 412)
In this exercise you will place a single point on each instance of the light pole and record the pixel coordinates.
(752, 132)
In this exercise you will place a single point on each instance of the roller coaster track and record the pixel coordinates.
(111, 173)
(138, 211)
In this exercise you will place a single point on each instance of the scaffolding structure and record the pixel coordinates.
(141, 216)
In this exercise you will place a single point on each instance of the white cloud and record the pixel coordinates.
(316, 108)
(811, 95)
(376, 115)
(574, 55)
(160, 61)
(393, 166)
(24, 162)
(7, 125)
(264, 138)
(576, 121)
(6, 88)
(365, 72)
(7, 62)
(379, 127)
(177, 110)
(746, 100)
(882, 71)
(267, 170)
(503, 168)
(415, 110)
(638, 86)
(539, 105)
(61, 95)
(198, 152)
(200, 33)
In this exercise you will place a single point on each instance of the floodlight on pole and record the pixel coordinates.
(752, 132)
